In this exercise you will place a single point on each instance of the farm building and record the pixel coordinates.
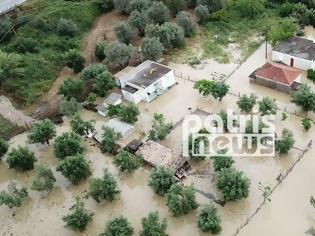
(277, 76)
(295, 52)
(145, 82)
(112, 99)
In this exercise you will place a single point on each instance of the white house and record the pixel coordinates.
(295, 52)
(146, 81)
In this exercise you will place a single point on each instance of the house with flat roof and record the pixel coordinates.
(295, 52)
(277, 76)
(146, 82)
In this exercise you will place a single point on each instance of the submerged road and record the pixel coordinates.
(7, 5)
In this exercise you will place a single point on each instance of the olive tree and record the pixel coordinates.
(118, 226)
(42, 132)
(181, 200)
(285, 142)
(103, 83)
(74, 168)
(176, 6)
(139, 5)
(69, 108)
(184, 20)
(202, 14)
(127, 162)
(68, 144)
(128, 113)
(158, 13)
(307, 124)
(78, 218)
(109, 138)
(4, 147)
(160, 128)
(161, 179)
(104, 188)
(71, 88)
(119, 54)
(212, 5)
(304, 98)
(246, 103)
(233, 184)
(74, 60)
(100, 50)
(44, 179)
(13, 196)
(138, 20)
(208, 219)
(123, 32)
(21, 158)
(121, 5)
(222, 162)
(151, 225)
(152, 48)
(172, 35)
(67, 27)
(90, 72)
(80, 126)
(267, 106)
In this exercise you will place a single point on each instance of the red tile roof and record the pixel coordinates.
(278, 73)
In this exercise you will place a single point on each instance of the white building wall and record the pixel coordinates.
(132, 97)
(167, 80)
(286, 59)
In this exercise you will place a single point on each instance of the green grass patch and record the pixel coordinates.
(38, 20)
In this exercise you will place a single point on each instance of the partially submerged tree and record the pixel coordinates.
(44, 179)
(68, 144)
(283, 29)
(109, 138)
(307, 124)
(160, 128)
(285, 143)
(78, 218)
(152, 48)
(304, 98)
(151, 226)
(127, 162)
(69, 108)
(118, 226)
(104, 82)
(267, 106)
(42, 132)
(104, 188)
(80, 126)
(204, 87)
(74, 60)
(74, 168)
(246, 103)
(184, 20)
(233, 184)
(208, 219)
(128, 113)
(161, 179)
(71, 88)
(218, 89)
(21, 158)
(222, 162)
(14, 196)
(181, 200)
(4, 147)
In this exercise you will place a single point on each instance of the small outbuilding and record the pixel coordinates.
(295, 52)
(277, 76)
(146, 81)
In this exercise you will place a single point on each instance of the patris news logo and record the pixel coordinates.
(229, 134)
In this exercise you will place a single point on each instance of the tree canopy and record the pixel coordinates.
(267, 106)
(161, 179)
(42, 132)
(80, 126)
(285, 142)
(160, 128)
(246, 103)
(13, 196)
(21, 158)
(68, 144)
(109, 138)
(127, 162)
(4, 147)
(44, 179)
(208, 219)
(304, 98)
(118, 226)
(151, 225)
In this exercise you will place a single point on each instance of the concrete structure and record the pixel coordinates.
(8, 5)
(295, 52)
(277, 76)
(146, 82)
(112, 99)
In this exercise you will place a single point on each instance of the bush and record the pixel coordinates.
(161, 179)
(184, 20)
(24, 45)
(127, 162)
(4, 147)
(307, 124)
(74, 60)
(285, 143)
(21, 158)
(119, 54)
(311, 74)
(81, 127)
(151, 225)
(13, 197)
(42, 132)
(251, 8)
(267, 106)
(109, 138)
(208, 220)
(68, 144)
(202, 14)
(79, 217)
(92, 71)
(233, 184)
(44, 179)
(104, 188)
(11, 66)
(100, 50)
(118, 226)
(74, 168)
(67, 27)
(222, 162)
(181, 200)
(160, 128)
(69, 108)
(104, 82)
(152, 48)
(123, 32)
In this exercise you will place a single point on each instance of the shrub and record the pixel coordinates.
(67, 27)
(74, 168)
(109, 137)
(68, 144)
(118, 226)
(106, 5)
(184, 20)
(6, 31)
(13, 197)
(161, 179)
(251, 8)
(81, 127)
(71, 88)
(222, 162)
(152, 48)
(100, 50)
(267, 106)
(311, 74)
(21, 158)
(69, 108)
(181, 200)
(233, 184)
(285, 143)
(23, 45)
(104, 188)
(151, 225)
(202, 14)
(104, 82)
(42, 132)
(123, 32)
(79, 217)
(246, 103)
(3, 147)
(11, 66)
(44, 179)
(92, 71)
(160, 128)
(307, 124)
(74, 60)
(208, 220)
(127, 162)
